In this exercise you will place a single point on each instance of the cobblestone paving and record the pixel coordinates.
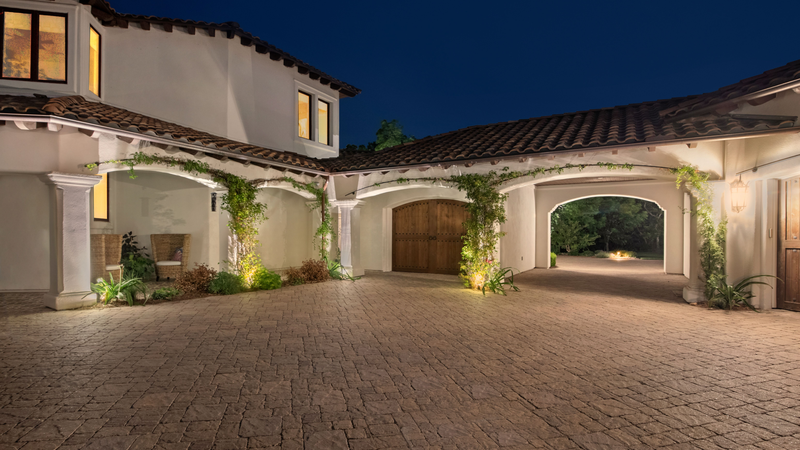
(588, 356)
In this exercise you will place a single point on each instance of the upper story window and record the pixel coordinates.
(94, 61)
(34, 46)
(309, 118)
(304, 115)
(324, 122)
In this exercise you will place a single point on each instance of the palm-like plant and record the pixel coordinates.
(726, 296)
(110, 290)
(498, 280)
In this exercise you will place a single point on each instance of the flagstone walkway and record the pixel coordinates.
(595, 354)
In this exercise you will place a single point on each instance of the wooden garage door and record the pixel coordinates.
(426, 236)
(789, 245)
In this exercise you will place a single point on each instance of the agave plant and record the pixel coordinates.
(338, 272)
(498, 280)
(726, 296)
(109, 290)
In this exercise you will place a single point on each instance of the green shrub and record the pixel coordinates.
(226, 283)
(602, 254)
(165, 293)
(553, 259)
(264, 280)
(587, 253)
(727, 296)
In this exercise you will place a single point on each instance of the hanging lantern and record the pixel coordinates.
(738, 195)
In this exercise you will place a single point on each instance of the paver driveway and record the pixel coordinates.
(576, 360)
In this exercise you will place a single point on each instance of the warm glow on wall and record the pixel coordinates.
(304, 115)
(738, 195)
(101, 199)
(94, 61)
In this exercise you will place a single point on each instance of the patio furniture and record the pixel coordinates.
(164, 247)
(106, 252)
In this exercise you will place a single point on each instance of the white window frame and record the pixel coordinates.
(333, 109)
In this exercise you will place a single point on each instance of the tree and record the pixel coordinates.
(621, 217)
(388, 135)
(572, 226)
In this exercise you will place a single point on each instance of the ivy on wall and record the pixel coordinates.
(713, 235)
(487, 208)
(240, 201)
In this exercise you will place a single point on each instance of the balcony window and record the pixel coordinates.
(304, 115)
(94, 61)
(34, 46)
(100, 196)
(323, 120)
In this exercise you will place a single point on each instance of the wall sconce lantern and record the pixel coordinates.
(738, 195)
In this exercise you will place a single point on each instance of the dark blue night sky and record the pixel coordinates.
(440, 66)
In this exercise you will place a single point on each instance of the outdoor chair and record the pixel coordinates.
(106, 254)
(164, 247)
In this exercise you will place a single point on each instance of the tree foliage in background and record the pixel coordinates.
(618, 222)
(388, 135)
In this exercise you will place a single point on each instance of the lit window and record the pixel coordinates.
(101, 199)
(94, 61)
(323, 122)
(34, 46)
(304, 115)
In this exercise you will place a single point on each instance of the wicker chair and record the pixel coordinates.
(106, 255)
(163, 247)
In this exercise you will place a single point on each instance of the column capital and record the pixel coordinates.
(71, 179)
(347, 204)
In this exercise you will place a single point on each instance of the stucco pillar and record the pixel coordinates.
(695, 291)
(70, 264)
(350, 235)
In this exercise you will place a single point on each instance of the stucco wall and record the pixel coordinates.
(157, 203)
(665, 194)
(374, 214)
(286, 236)
(24, 233)
(213, 84)
(517, 247)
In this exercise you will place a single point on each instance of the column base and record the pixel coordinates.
(354, 271)
(69, 300)
(694, 294)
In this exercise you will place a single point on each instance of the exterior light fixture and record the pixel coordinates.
(738, 195)
(213, 201)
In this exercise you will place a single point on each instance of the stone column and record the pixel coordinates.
(70, 260)
(350, 235)
(695, 291)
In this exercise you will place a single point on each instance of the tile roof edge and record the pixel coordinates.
(104, 12)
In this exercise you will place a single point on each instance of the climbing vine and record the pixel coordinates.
(324, 233)
(246, 212)
(713, 235)
(487, 209)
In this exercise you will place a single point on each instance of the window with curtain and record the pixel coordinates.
(304, 115)
(34, 46)
(94, 61)
(100, 199)
(324, 125)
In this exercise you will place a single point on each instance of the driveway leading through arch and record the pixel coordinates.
(578, 359)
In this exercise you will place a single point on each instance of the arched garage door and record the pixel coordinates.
(426, 236)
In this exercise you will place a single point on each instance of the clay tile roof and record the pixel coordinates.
(767, 83)
(77, 108)
(110, 17)
(638, 123)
